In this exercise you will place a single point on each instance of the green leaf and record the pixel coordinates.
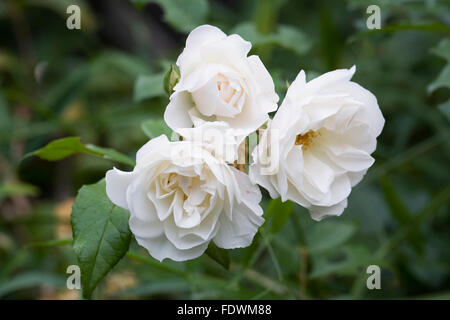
(442, 81)
(219, 255)
(181, 14)
(155, 127)
(65, 147)
(328, 235)
(112, 154)
(147, 87)
(398, 209)
(171, 79)
(443, 49)
(444, 108)
(280, 213)
(101, 234)
(285, 36)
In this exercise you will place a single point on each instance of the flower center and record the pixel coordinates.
(231, 92)
(306, 139)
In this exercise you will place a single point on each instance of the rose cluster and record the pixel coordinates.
(183, 194)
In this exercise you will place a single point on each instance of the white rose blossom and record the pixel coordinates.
(182, 195)
(318, 145)
(219, 82)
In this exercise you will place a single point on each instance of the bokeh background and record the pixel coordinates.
(101, 82)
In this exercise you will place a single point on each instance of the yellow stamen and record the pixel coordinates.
(305, 139)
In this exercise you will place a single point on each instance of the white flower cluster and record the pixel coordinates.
(181, 195)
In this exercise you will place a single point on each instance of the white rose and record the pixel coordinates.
(319, 143)
(181, 197)
(218, 81)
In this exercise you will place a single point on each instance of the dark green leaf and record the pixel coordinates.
(219, 255)
(280, 213)
(100, 232)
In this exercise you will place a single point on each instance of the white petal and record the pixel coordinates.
(262, 180)
(176, 114)
(150, 150)
(248, 192)
(251, 116)
(318, 213)
(371, 111)
(117, 183)
(161, 248)
(265, 81)
(146, 229)
(186, 242)
(203, 35)
(317, 172)
(238, 232)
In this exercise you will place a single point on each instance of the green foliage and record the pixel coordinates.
(286, 37)
(182, 15)
(328, 236)
(101, 235)
(62, 148)
(445, 109)
(147, 87)
(219, 255)
(279, 212)
(155, 127)
(29, 280)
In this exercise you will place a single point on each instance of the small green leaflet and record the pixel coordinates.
(62, 148)
(101, 235)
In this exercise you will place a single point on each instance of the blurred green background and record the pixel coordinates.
(103, 81)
